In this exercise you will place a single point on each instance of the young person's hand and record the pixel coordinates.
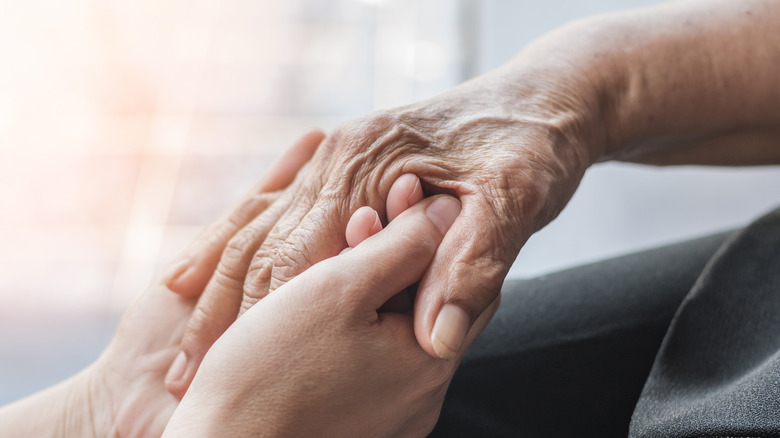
(123, 393)
(219, 305)
(317, 357)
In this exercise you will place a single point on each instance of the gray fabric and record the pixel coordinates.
(681, 341)
(718, 370)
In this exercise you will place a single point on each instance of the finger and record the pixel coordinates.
(218, 306)
(396, 257)
(464, 279)
(258, 281)
(405, 192)
(363, 224)
(309, 235)
(189, 274)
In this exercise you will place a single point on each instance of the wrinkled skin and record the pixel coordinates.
(513, 156)
(662, 85)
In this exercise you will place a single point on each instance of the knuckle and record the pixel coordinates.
(298, 247)
(226, 279)
(233, 252)
(416, 244)
(291, 259)
(238, 246)
(368, 153)
(257, 277)
(378, 136)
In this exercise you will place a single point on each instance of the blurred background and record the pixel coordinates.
(126, 126)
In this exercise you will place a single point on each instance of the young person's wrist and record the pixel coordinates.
(64, 410)
(85, 411)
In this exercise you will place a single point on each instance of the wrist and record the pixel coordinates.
(65, 410)
(81, 405)
(584, 80)
(92, 404)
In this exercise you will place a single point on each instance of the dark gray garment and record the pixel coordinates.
(694, 328)
(717, 372)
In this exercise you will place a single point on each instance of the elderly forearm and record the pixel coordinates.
(686, 82)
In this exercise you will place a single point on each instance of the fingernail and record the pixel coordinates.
(443, 212)
(179, 366)
(414, 190)
(179, 284)
(449, 331)
(377, 225)
(175, 271)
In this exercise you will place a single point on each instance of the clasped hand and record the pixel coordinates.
(513, 155)
(330, 353)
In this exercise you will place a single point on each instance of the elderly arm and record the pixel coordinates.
(693, 82)
(687, 82)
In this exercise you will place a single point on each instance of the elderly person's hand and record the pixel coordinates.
(123, 393)
(317, 357)
(512, 154)
(664, 85)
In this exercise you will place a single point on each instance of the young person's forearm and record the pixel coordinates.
(686, 82)
(63, 410)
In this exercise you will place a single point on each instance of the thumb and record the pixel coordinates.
(394, 258)
(462, 281)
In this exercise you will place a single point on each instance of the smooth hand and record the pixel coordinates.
(318, 357)
(123, 393)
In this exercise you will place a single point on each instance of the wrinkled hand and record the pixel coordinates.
(513, 155)
(317, 358)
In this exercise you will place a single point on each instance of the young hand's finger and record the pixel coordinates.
(222, 263)
(394, 258)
